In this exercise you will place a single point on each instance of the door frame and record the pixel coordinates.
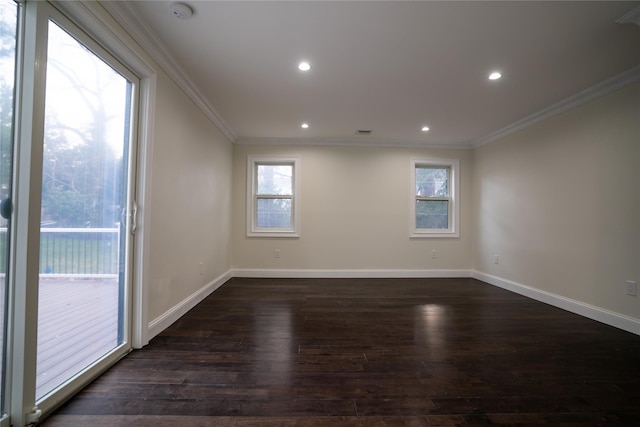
(27, 186)
(99, 24)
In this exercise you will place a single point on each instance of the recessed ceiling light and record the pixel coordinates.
(495, 75)
(425, 128)
(304, 66)
(305, 126)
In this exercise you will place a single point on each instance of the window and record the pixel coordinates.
(273, 196)
(434, 208)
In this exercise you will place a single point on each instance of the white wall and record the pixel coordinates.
(190, 201)
(354, 213)
(559, 202)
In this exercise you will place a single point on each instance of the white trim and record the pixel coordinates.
(165, 320)
(599, 90)
(347, 274)
(454, 190)
(598, 314)
(142, 238)
(348, 142)
(252, 229)
(595, 313)
(129, 19)
(25, 225)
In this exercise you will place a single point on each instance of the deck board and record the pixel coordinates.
(77, 323)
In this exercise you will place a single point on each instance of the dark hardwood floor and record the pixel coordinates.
(392, 352)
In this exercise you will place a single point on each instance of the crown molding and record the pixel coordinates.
(631, 17)
(347, 142)
(599, 90)
(130, 20)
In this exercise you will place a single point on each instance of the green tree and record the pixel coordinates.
(81, 172)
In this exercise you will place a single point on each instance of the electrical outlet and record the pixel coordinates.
(276, 253)
(201, 268)
(632, 288)
(434, 254)
(496, 259)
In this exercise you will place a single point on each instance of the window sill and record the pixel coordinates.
(278, 234)
(434, 235)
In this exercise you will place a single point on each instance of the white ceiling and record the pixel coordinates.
(387, 66)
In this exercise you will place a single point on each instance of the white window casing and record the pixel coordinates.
(286, 222)
(451, 229)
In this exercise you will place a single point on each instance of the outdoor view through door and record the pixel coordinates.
(83, 286)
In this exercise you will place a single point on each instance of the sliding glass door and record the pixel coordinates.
(83, 287)
(65, 295)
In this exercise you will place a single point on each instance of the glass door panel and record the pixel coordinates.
(8, 27)
(82, 285)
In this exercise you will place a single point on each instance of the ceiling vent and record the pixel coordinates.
(363, 132)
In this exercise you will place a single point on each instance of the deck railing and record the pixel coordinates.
(79, 251)
(76, 251)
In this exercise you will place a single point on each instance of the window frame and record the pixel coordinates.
(453, 230)
(253, 230)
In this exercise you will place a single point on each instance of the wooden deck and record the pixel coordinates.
(77, 324)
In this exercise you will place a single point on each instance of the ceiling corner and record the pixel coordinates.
(133, 23)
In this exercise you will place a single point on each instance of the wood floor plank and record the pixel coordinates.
(405, 352)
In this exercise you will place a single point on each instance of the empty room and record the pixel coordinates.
(315, 213)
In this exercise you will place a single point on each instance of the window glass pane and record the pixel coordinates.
(432, 214)
(432, 182)
(275, 180)
(274, 213)
(84, 180)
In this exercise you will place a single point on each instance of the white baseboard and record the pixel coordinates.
(348, 274)
(599, 314)
(162, 322)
